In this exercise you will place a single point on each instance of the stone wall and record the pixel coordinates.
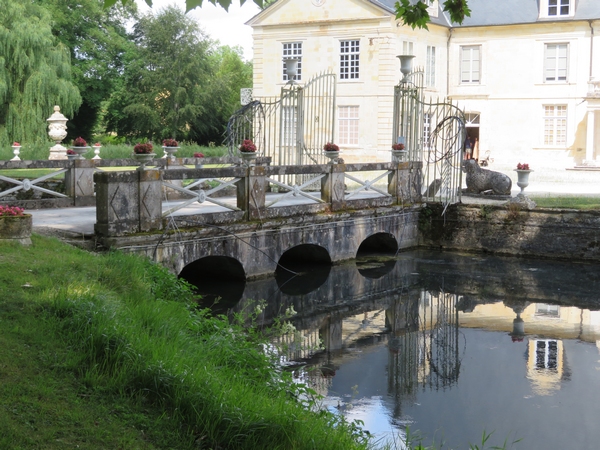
(547, 233)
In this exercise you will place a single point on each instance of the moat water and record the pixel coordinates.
(449, 345)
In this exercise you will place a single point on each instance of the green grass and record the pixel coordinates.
(568, 202)
(107, 351)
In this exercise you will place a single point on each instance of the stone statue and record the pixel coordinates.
(480, 180)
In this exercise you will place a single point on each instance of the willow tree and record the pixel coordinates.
(35, 73)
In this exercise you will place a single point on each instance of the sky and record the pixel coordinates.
(226, 27)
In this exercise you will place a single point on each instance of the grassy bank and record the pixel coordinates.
(107, 351)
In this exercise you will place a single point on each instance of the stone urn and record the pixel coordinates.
(248, 157)
(143, 159)
(57, 131)
(170, 152)
(332, 155)
(399, 155)
(523, 179)
(16, 229)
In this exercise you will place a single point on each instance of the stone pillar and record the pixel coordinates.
(79, 182)
(333, 186)
(256, 196)
(590, 157)
(405, 182)
(128, 202)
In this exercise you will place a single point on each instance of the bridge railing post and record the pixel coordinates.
(79, 182)
(332, 186)
(128, 202)
(251, 191)
(404, 183)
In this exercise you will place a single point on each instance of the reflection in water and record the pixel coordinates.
(452, 345)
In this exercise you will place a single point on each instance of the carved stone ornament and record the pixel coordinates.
(57, 130)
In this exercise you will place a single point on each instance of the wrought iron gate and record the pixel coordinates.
(433, 132)
(292, 128)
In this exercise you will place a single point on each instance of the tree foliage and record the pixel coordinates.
(175, 85)
(35, 73)
(97, 40)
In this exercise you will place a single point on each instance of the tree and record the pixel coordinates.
(35, 73)
(97, 40)
(411, 12)
(165, 79)
(229, 74)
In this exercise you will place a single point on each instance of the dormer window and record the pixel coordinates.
(558, 7)
(552, 9)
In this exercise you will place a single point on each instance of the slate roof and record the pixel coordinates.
(504, 12)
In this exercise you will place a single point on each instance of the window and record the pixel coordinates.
(546, 354)
(470, 64)
(555, 62)
(543, 309)
(430, 67)
(555, 125)
(426, 131)
(349, 58)
(558, 8)
(348, 125)
(293, 50)
(407, 48)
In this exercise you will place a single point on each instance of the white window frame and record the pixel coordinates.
(430, 67)
(470, 64)
(348, 125)
(350, 59)
(553, 9)
(554, 125)
(408, 48)
(556, 62)
(292, 50)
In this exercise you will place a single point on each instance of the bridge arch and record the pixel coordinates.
(378, 243)
(220, 279)
(302, 269)
(374, 257)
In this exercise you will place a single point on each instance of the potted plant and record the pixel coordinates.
(170, 146)
(399, 152)
(331, 151)
(80, 146)
(71, 154)
(143, 153)
(15, 225)
(248, 150)
(523, 172)
(198, 156)
(16, 150)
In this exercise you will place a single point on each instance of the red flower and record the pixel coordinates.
(330, 147)
(247, 146)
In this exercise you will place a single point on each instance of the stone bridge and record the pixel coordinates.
(246, 220)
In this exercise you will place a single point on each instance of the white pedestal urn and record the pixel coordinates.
(143, 159)
(80, 151)
(332, 155)
(523, 179)
(248, 157)
(15, 228)
(399, 155)
(170, 152)
(16, 150)
(97, 148)
(57, 130)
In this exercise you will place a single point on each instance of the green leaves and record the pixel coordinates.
(413, 15)
(457, 9)
(417, 16)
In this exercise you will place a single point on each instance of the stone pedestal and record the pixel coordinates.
(79, 182)
(128, 202)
